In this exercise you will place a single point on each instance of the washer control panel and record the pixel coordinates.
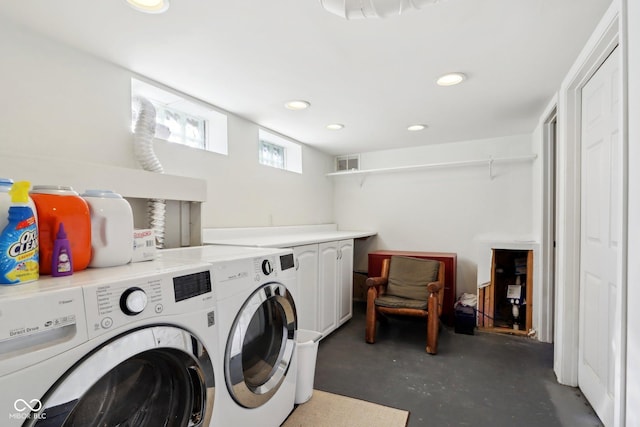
(133, 301)
(267, 268)
(110, 305)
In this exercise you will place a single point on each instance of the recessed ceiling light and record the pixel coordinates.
(297, 105)
(451, 79)
(335, 126)
(414, 128)
(149, 6)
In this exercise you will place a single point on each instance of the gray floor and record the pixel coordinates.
(474, 380)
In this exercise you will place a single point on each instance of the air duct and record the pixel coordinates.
(145, 130)
(361, 9)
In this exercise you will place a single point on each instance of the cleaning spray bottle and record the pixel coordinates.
(19, 239)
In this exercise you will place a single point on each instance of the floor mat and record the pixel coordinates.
(332, 410)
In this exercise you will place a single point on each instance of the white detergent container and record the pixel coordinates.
(111, 228)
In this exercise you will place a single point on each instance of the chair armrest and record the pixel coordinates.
(434, 287)
(436, 295)
(376, 281)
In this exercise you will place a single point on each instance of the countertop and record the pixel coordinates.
(280, 237)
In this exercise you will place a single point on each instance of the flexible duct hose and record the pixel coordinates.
(145, 130)
(361, 9)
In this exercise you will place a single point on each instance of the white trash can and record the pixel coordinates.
(307, 343)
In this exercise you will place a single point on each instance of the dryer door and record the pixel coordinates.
(157, 376)
(260, 345)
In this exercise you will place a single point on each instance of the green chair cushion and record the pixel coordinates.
(409, 277)
(399, 302)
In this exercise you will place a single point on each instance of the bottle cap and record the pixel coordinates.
(105, 194)
(20, 192)
(61, 233)
(59, 190)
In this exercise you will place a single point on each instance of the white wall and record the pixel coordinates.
(64, 103)
(243, 193)
(440, 210)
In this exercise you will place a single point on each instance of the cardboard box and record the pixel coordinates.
(144, 245)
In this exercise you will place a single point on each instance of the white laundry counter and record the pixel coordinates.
(279, 237)
(323, 260)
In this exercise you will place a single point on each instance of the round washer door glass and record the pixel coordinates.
(151, 377)
(260, 345)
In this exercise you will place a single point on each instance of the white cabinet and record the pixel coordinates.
(345, 281)
(307, 290)
(325, 285)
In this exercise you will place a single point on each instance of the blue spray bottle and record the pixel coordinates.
(19, 240)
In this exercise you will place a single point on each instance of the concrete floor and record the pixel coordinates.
(478, 380)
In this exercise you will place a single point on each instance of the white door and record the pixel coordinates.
(345, 281)
(601, 215)
(306, 299)
(327, 287)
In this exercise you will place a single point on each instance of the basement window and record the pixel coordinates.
(278, 152)
(181, 119)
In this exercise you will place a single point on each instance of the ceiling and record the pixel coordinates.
(376, 76)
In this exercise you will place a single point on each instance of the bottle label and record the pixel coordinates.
(64, 262)
(26, 247)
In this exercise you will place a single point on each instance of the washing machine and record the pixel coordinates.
(134, 345)
(255, 294)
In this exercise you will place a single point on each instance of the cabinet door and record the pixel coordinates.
(327, 287)
(345, 281)
(306, 299)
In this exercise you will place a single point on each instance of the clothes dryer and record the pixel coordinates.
(125, 346)
(255, 292)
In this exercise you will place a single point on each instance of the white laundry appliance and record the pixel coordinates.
(134, 345)
(255, 292)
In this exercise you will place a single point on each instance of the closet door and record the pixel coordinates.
(601, 232)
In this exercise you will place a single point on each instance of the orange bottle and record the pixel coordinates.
(58, 204)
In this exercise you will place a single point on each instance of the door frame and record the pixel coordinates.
(547, 269)
(604, 39)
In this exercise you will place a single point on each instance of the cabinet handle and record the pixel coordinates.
(297, 264)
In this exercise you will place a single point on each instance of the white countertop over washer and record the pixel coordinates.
(279, 237)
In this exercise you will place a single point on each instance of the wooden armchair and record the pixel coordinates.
(409, 287)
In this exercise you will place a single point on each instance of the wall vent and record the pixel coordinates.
(349, 162)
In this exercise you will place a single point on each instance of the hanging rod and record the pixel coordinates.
(490, 161)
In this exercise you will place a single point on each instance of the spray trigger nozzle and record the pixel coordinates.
(20, 192)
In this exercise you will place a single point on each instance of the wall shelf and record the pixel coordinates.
(490, 162)
(80, 175)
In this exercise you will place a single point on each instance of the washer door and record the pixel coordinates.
(260, 345)
(157, 376)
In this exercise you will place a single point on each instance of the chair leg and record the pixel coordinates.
(370, 331)
(433, 324)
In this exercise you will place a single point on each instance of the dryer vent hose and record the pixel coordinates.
(145, 129)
